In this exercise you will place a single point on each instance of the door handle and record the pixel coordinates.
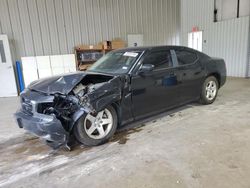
(9, 67)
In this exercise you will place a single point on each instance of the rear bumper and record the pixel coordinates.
(223, 80)
(47, 127)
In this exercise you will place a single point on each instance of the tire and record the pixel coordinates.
(93, 130)
(209, 91)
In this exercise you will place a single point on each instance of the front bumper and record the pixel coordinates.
(47, 127)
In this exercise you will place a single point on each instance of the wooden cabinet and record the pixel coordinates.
(86, 57)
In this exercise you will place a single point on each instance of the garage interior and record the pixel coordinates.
(191, 146)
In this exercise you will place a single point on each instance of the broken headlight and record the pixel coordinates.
(42, 108)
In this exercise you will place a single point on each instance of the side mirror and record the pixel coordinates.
(145, 68)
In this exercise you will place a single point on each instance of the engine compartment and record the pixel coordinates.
(89, 84)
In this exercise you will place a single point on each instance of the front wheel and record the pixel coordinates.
(209, 90)
(93, 130)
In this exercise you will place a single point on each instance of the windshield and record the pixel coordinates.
(115, 62)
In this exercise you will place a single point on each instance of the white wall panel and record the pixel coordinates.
(57, 65)
(226, 39)
(29, 67)
(36, 67)
(56, 61)
(69, 63)
(43, 66)
(51, 27)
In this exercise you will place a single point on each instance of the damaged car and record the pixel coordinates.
(123, 86)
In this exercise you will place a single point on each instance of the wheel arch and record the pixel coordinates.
(217, 76)
(117, 108)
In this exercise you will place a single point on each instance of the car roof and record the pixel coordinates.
(150, 48)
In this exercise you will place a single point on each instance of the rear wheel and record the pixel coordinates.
(209, 90)
(92, 130)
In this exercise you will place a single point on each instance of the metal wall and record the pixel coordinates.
(48, 27)
(227, 39)
(249, 51)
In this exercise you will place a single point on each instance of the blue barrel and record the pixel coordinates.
(20, 75)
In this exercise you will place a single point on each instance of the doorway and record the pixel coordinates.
(8, 85)
(195, 40)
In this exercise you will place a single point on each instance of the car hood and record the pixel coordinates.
(62, 84)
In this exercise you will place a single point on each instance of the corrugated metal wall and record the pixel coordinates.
(249, 51)
(227, 39)
(47, 27)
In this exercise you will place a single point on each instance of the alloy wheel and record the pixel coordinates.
(99, 126)
(211, 90)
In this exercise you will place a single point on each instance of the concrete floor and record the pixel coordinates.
(193, 146)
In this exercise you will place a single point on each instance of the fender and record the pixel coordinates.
(76, 116)
(107, 94)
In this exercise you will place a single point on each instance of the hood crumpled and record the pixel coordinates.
(61, 84)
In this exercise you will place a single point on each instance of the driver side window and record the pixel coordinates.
(160, 59)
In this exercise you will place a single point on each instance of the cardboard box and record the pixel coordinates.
(118, 43)
(82, 47)
(97, 47)
(87, 47)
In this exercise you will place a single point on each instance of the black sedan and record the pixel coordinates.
(123, 86)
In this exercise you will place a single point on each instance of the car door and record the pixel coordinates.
(157, 89)
(191, 73)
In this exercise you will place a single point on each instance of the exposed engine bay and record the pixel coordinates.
(88, 85)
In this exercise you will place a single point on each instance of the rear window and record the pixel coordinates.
(185, 57)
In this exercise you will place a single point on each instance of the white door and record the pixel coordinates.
(7, 77)
(195, 40)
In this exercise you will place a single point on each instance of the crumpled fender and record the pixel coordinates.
(76, 116)
(98, 99)
(106, 94)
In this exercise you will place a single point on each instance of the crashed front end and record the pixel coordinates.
(44, 116)
(51, 114)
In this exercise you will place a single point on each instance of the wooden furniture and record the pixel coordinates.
(86, 55)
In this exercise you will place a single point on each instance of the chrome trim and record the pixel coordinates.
(34, 106)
